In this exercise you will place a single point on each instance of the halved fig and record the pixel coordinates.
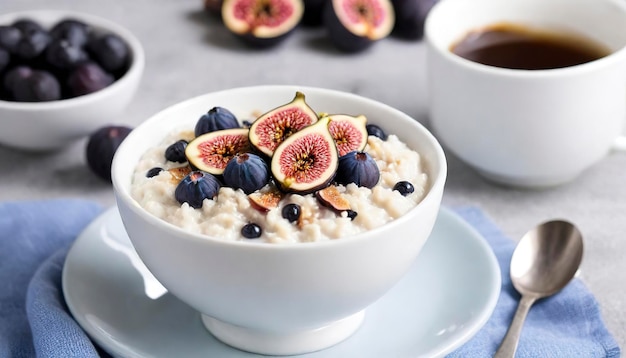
(307, 160)
(354, 25)
(272, 128)
(211, 152)
(262, 23)
(265, 200)
(349, 132)
(332, 198)
(179, 173)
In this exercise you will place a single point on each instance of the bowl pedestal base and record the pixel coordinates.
(272, 343)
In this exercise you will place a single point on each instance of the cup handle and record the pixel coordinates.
(619, 145)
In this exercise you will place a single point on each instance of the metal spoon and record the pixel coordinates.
(544, 261)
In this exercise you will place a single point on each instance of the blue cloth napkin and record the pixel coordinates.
(34, 320)
(568, 324)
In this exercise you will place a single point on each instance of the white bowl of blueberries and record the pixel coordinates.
(63, 74)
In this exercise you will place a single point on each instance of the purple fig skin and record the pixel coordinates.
(217, 118)
(213, 7)
(37, 86)
(263, 43)
(410, 17)
(196, 187)
(359, 168)
(101, 148)
(313, 10)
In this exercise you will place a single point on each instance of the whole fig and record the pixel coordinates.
(358, 168)
(246, 171)
(217, 118)
(196, 187)
(101, 148)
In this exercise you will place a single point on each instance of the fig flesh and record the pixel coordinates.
(348, 132)
(179, 173)
(307, 160)
(354, 25)
(265, 201)
(332, 198)
(262, 23)
(273, 127)
(211, 151)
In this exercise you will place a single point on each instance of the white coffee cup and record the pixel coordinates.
(530, 128)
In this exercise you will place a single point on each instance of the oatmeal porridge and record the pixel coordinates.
(325, 192)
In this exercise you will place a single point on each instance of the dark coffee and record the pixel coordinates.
(519, 47)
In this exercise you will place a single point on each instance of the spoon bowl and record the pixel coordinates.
(544, 261)
(546, 258)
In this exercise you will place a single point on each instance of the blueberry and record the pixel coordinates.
(176, 151)
(87, 78)
(39, 86)
(359, 168)
(27, 25)
(404, 187)
(351, 214)
(101, 148)
(9, 37)
(110, 51)
(32, 44)
(251, 231)
(195, 187)
(376, 131)
(73, 31)
(215, 119)
(291, 212)
(63, 55)
(154, 172)
(247, 172)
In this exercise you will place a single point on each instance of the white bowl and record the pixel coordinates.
(52, 125)
(273, 298)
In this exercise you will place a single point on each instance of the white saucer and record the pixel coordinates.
(445, 298)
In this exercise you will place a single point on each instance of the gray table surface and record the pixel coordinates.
(189, 54)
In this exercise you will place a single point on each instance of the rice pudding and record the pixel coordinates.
(402, 182)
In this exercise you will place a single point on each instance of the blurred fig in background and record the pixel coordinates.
(101, 148)
(262, 23)
(410, 17)
(354, 26)
(5, 58)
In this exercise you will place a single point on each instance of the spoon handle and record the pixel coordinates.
(509, 343)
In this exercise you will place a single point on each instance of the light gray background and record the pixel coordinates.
(189, 54)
